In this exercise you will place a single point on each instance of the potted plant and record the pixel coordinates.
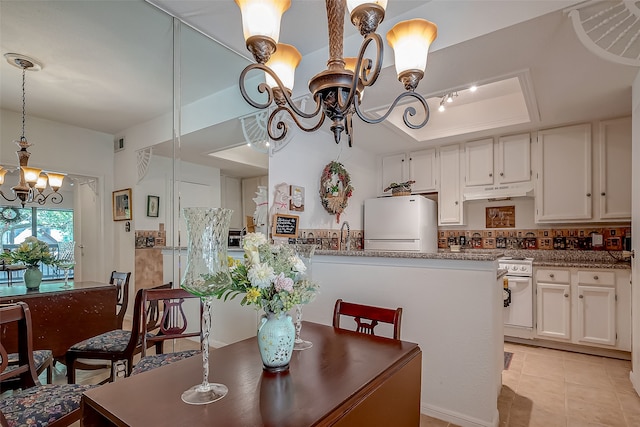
(31, 253)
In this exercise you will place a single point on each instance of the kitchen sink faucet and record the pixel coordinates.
(347, 240)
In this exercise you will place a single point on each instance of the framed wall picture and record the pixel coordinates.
(153, 206)
(122, 206)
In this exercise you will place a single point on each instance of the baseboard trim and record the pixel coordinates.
(594, 351)
(457, 418)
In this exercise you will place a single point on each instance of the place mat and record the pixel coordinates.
(507, 359)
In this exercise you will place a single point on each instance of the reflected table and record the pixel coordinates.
(345, 379)
(62, 316)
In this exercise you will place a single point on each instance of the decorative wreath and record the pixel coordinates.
(9, 215)
(335, 189)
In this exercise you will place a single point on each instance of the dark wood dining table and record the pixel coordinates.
(63, 316)
(344, 379)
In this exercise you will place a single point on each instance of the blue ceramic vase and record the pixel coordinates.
(32, 277)
(276, 336)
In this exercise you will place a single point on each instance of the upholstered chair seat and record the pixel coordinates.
(155, 361)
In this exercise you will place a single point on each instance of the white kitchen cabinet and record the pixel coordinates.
(596, 315)
(393, 170)
(554, 310)
(231, 196)
(450, 191)
(478, 160)
(614, 169)
(563, 184)
(423, 169)
(585, 307)
(514, 159)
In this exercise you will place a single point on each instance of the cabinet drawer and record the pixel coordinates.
(596, 278)
(552, 276)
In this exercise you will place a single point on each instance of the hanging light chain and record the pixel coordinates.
(24, 70)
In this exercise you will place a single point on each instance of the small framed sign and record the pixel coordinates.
(122, 205)
(285, 225)
(153, 206)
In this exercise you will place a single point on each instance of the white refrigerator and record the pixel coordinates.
(401, 223)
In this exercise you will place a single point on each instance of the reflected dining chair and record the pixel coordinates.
(367, 317)
(174, 325)
(118, 345)
(43, 360)
(51, 405)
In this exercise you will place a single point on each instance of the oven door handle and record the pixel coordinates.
(518, 279)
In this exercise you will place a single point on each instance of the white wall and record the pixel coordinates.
(301, 163)
(635, 234)
(74, 151)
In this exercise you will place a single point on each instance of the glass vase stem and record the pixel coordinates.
(298, 321)
(206, 330)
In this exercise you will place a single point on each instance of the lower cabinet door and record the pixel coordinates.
(596, 315)
(554, 310)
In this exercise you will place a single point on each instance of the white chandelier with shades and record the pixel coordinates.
(337, 91)
(33, 181)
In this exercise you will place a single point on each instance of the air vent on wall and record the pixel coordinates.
(118, 144)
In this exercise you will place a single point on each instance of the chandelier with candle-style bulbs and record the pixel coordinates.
(33, 182)
(337, 91)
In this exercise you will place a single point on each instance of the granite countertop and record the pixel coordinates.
(468, 256)
(582, 264)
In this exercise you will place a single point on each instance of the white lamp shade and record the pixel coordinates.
(283, 62)
(41, 183)
(262, 17)
(31, 175)
(410, 41)
(55, 180)
(352, 4)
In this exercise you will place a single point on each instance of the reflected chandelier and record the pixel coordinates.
(33, 181)
(337, 90)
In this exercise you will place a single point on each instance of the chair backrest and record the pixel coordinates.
(19, 315)
(363, 313)
(173, 324)
(121, 281)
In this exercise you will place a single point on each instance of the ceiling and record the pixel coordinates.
(108, 67)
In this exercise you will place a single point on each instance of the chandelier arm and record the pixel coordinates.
(408, 112)
(363, 75)
(4, 196)
(41, 199)
(263, 87)
(283, 127)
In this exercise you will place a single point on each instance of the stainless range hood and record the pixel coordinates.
(503, 191)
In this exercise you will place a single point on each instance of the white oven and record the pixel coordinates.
(518, 315)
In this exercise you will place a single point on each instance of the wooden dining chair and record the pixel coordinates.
(121, 281)
(117, 346)
(43, 360)
(174, 325)
(51, 405)
(367, 317)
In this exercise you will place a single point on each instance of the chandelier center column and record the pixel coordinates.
(335, 23)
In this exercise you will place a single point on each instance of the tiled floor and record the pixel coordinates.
(552, 388)
(542, 387)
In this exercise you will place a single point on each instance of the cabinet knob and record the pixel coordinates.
(566, 295)
(603, 194)
(456, 202)
(552, 275)
(595, 277)
(501, 173)
(490, 175)
(588, 194)
(581, 296)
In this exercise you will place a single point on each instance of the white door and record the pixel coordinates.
(478, 157)
(563, 190)
(520, 311)
(423, 170)
(88, 233)
(615, 169)
(514, 159)
(554, 310)
(449, 197)
(597, 314)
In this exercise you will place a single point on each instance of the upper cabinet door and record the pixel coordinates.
(393, 170)
(479, 162)
(449, 196)
(423, 170)
(563, 191)
(614, 174)
(514, 159)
